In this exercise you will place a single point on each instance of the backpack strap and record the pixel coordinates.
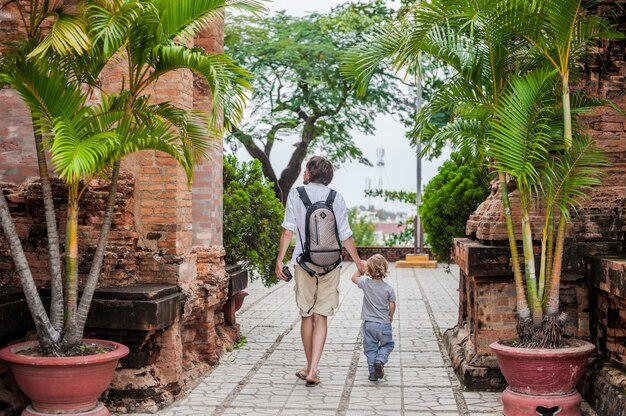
(304, 197)
(305, 266)
(331, 198)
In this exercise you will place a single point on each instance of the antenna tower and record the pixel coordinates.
(380, 166)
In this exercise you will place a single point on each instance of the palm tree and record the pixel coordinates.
(527, 142)
(493, 49)
(84, 141)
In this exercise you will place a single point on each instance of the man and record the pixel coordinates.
(315, 300)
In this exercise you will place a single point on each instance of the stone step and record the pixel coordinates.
(417, 257)
(405, 264)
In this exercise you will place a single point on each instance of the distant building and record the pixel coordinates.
(385, 229)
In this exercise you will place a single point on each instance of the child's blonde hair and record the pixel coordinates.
(377, 267)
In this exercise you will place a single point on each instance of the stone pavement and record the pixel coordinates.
(259, 377)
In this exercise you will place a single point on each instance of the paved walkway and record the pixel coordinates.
(259, 378)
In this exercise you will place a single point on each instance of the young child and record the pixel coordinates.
(379, 305)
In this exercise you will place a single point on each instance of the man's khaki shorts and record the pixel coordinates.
(327, 291)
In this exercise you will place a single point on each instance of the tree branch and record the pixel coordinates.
(271, 135)
(257, 153)
(289, 175)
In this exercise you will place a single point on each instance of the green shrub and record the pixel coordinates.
(252, 218)
(448, 201)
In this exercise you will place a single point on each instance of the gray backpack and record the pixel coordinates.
(322, 246)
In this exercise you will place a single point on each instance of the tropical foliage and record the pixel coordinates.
(448, 201)
(512, 64)
(56, 74)
(252, 218)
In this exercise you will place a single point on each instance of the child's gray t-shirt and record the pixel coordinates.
(376, 297)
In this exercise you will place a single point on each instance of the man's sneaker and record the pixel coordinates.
(373, 377)
(379, 370)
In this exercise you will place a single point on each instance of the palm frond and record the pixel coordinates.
(110, 22)
(572, 176)
(186, 18)
(582, 103)
(194, 127)
(47, 92)
(520, 136)
(468, 137)
(228, 81)
(365, 60)
(75, 156)
(67, 36)
(156, 135)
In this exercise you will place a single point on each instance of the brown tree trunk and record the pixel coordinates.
(290, 174)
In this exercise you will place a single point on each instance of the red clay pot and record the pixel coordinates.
(543, 371)
(64, 385)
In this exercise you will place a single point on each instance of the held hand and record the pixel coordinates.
(362, 266)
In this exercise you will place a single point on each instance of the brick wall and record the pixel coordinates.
(123, 258)
(208, 205)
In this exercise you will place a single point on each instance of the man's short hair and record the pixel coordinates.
(320, 170)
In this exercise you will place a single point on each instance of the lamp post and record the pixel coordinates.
(419, 237)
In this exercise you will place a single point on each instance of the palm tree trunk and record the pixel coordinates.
(523, 311)
(98, 258)
(531, 277)
(71, 273)
(47, 334)
(552, 303)
(549, 255)
(544, 250)
(56, 277)
(567, 113)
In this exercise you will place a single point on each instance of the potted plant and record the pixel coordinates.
(512, 108)
(56, 74)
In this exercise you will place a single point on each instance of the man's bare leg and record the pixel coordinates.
(317, 344)
(306, 333)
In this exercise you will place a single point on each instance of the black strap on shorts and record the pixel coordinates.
(317, 283)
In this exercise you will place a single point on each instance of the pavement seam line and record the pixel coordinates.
(228, 400)
(344, 403)
(399, 340)
(454, 381)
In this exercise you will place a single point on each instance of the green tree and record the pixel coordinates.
(252, 218)
(448, 201)
(362, 229)
(298, 90)
(56, 73)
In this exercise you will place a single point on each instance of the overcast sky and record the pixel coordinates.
(399, 172)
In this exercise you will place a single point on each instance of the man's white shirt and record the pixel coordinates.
(295, 214)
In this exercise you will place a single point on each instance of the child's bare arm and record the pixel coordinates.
(392, 310)
(357, 275)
